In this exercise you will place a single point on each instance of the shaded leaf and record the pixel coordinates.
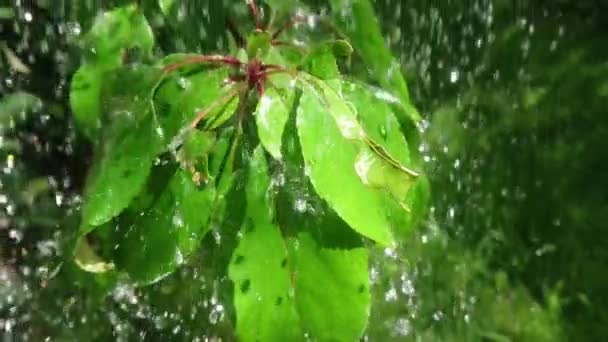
(85, 98)
(114, 31)
(14, 107)
(127, 153)
(105, 44)
(159, 239)
(186, 92)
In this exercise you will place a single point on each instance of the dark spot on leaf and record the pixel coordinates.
(284, 263)
(361, 288)
(127, 173)
(239, 259)
(278, 301)
(245, 286)
(78, 84)
(249, 226)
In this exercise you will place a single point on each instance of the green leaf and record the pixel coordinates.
(377, 117)
(127, 152)
(287, 287)
(191, 90)
(263, 298)
(85, 101)
(331, 138)
(166, 6)
(382, 164)
(283, 6)
(114, 31)
(356, 18)
(321, 61)
(160, 238)
(271, 115)
(105, 44)
(7, 13)
(121, 172)
(258, 44)
(332, 290)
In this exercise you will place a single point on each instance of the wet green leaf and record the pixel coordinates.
(126, 158)
(194, 153)
(271, 115)
(356, 18)
(127, 152)
(193, 89)
(332, 290)
(331, 139)
(117, 30)
(293, 285)
(161, 238)
(384, 163)
(321, 61)
(378, 118)
(105, 44)
(263, 298)
(85, 98)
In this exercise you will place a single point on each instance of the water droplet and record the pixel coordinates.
(454, 76)
(178, 220)
(300, 205)
(383, 131)
(179, 257)
(183, 83)
(391, 294)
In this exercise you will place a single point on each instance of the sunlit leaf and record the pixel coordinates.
(271, 115)
(332, 290)
(331, 138)
(321, 61)
(356, 18)
(384, 163)
(263, 293)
